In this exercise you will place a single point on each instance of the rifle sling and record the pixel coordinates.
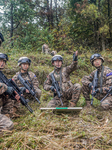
(60, 81)
(101, 79)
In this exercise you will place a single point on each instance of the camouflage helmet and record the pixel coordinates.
(57, 57)
(96, 56)
(24, 60)
(4, 56)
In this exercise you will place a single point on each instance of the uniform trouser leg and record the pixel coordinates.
(38, 93)
(7, 107)
(107, 103)
(74, 93)
(86, 92)
(55, 102)
(5, 123)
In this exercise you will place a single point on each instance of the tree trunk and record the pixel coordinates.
(11, 31)
(103, 42)
(56, 14)
(109, 18)
(51, 15)
(48, 13)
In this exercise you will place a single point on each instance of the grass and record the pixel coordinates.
(89, 129)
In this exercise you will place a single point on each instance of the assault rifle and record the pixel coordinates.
(94, 85)
(56, 86)
(109, 92)
(28, 86)
(11, 83)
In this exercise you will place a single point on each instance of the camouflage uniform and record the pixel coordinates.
(32, 79)
(69, 91)
(6, 104)
(106, 83)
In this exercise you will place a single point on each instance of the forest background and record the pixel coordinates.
(62, 24)
(66, 26)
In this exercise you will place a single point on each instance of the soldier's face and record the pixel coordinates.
(2, 63)
(97, 62)
(57, 63)
(24, 67)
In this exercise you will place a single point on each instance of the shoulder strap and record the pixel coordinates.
(101, 79)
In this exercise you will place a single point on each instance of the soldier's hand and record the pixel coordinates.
(94, 92)
(17, 97)
(27, 91)
(75, 56)
(52, 89)
(91, 89)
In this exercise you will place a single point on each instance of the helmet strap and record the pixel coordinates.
(25, 71)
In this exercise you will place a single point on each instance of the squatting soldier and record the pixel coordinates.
(104, 81)
(45, 49)
(24, 64)
(67, 89)
(5, 101)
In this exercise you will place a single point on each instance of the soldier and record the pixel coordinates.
(45, 49)
(104, 75)
(24, 64)
(1, 38)
(67, 89)
(53, 53)
(5, 101)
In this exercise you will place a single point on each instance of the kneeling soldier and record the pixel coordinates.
(68, 91)
(24, 64)
(6, 103)
(102, 80)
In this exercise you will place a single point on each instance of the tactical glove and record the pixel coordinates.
(52, 88)
(10, 90)
(75, 58)
(95, 92)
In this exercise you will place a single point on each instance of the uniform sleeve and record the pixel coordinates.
(14, 78)
(3, 88)
(108, 83)
(47, 83)
(86, 80)
(71, 67)
(35, 82)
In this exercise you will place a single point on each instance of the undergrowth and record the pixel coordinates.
(89, 129)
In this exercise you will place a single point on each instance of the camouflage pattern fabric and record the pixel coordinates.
(3, 88)
(5, 123)
(69, 91)
(72, 94)
(5, 105)
(45, 49)
(5, 101)
(107, 82)
(32, 80)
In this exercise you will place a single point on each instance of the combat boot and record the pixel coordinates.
(13, 113)
(88, 104)
(71, 104)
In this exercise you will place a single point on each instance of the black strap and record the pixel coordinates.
(60, 81)
(101, 79)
